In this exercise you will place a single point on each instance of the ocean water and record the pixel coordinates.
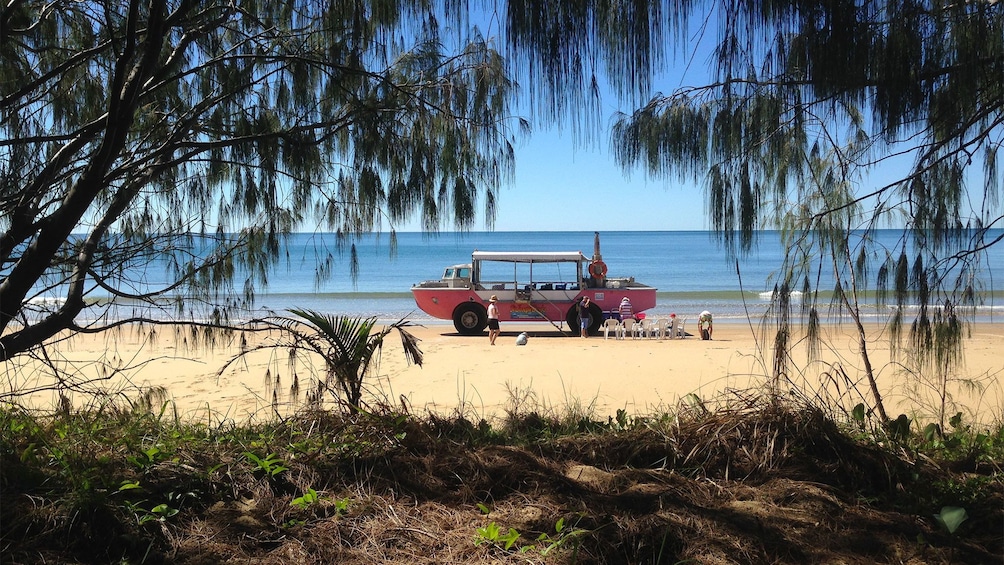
(691, 271)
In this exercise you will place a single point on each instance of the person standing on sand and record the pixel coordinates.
(584, 319)
(626, 310)
(493, 319)
(705, 324)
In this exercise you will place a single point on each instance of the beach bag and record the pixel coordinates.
(705, 334)
(522, 338)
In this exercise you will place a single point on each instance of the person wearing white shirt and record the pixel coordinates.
(493, 319)
(705, 324)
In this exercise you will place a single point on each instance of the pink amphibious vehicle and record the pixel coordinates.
(531, 287)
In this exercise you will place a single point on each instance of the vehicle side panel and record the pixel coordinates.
(441, 302)
(514, 306)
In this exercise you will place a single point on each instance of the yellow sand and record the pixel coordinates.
(553, 372)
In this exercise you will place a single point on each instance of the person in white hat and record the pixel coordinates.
(493, 319)
(626, 310)
(705, 324)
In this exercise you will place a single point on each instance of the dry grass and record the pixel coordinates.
(749, 479)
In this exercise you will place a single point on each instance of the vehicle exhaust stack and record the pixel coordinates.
(597, 268)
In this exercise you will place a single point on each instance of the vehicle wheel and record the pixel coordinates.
(470, 318)
(595, 319)
(572, 318)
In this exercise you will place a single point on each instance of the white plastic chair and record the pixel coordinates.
(662, 328)
(612, 324)
(631, 327)
(647, 328)
(671, 331)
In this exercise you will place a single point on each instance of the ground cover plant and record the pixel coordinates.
(747, 479)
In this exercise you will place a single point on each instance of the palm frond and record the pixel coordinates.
(409, 342)
(348, 345)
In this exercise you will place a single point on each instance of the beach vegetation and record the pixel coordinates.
(305, 500)
(269, 465)
(830, 120)
(764, 478)
(546, 542)
(347, 348)
(506, 540)
(908, 88)
(492, 534)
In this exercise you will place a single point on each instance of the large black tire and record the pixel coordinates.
(572, 319)
(470, 318)
(595, 319)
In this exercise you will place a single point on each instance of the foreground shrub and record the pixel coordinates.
(747, 482)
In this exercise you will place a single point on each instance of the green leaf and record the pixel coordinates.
(510, 538)
(306, 500)
(951, 517)
(956, 420)
(489, 532)
(164, 511)
(932, 432)
(900, 427)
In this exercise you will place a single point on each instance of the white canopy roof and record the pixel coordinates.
(530, 256)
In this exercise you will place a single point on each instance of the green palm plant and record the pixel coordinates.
(347, 345)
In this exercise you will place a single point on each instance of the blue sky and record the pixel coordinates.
(561, 187)
(564, 185)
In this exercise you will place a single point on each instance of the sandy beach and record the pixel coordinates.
(552, 372)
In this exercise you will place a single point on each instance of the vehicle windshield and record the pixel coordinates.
(457, 272)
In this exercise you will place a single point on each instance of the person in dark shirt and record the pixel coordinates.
(584, 319)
